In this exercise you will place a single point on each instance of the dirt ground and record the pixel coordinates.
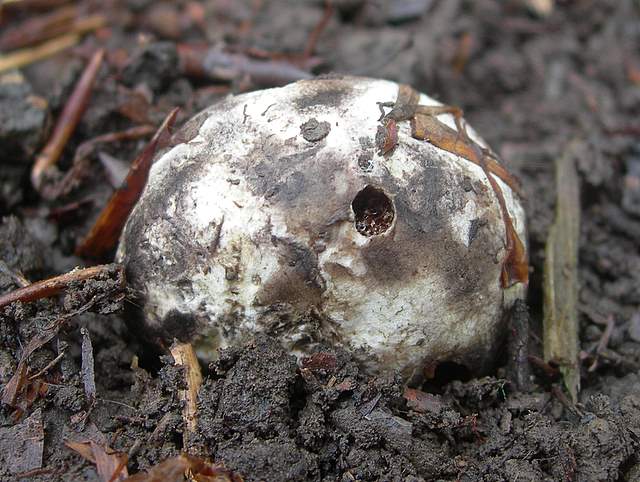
(532, 83)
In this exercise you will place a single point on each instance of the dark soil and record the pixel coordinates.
(530, 84)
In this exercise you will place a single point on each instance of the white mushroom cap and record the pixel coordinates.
(257, 223)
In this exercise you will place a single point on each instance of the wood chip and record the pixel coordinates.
(185, 356)
(24, 57)
(87, 370)
(561, 275)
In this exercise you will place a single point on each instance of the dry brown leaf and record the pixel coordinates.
(110, 465)
(560, 276)
(174, 469)
(105, 233)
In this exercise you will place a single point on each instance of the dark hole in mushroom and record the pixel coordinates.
(373, 210)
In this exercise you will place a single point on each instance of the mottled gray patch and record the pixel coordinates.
(366, 142)
(314, 131)
(365, 158)
(365, 161)
(474, 226)
(328, 92)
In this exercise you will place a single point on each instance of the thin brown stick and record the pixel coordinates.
(40, 28)
(30, 5)
(185, 356)
(49, 366)
(604, 341)
(202, 62)
(312, 43)
(104, 234)
(23, 57)
(72, 177)
(51, 286)
(561, 273)
(35, 28)
(67, 121)
(14, 386)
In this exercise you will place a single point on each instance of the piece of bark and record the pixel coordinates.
(561, 275)
(185, 357)
(87, 370)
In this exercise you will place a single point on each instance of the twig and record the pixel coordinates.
(52, 286)
(312, 43)
(604, 341)
(184, 356)
(37, 29)
(106, 400)
(518, 346)
(568, 404)
(29, 5)
(213, 64)
(67, 121)
(84, 150)
(550, 371)
(14, 386)
(50, 365)
(23, 57)
(35, 472)
(105, 232)
(87, 369)
(560, 275)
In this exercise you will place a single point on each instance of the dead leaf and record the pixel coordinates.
(423, 402)
(87, 370)
(105, 233)
(174, 469)
(110, 465)
(561, 275)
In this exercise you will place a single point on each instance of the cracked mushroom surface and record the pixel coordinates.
(278, 213)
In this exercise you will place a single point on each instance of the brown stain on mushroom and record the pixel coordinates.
(298, 283)
(301, 185)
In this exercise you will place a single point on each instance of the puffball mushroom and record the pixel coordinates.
(278, 211)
